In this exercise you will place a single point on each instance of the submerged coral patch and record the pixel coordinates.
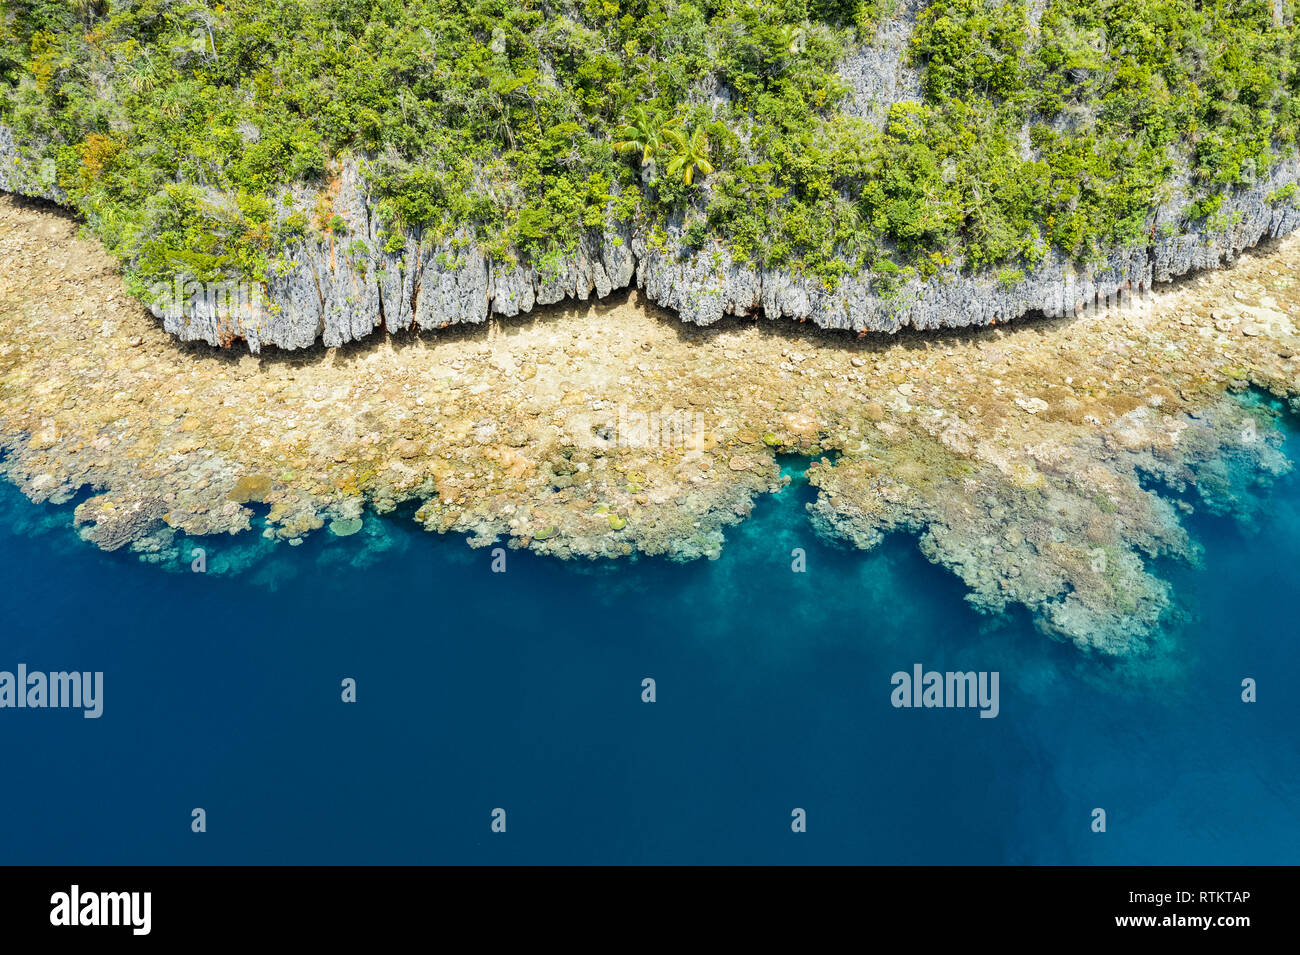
(346, 526)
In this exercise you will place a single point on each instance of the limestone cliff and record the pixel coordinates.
(341, 285)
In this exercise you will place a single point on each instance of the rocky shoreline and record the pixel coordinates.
(339, 289)
(336, 289)
(1045, 463)
(339, 284)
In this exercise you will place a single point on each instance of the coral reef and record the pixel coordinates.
(1045, 463)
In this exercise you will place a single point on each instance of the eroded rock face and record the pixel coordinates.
(878, 73)
(1045, 464)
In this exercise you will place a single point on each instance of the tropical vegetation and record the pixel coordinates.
(181, 129)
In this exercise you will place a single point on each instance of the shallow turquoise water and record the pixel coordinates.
(523, 691)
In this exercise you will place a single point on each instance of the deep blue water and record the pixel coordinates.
(523, 691)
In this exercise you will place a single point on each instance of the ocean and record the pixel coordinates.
(522, 691)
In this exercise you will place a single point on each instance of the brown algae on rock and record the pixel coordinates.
(1044, 462)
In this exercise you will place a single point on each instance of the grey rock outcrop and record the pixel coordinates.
(878, 73)
(24, 172)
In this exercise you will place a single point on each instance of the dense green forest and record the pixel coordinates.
(177, 126)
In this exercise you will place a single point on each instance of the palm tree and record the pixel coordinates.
(640, 136)
(689, 154)
(790, 38)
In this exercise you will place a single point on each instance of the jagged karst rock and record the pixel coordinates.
(878, 72)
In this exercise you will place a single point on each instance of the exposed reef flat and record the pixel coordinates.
(1040, 461)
